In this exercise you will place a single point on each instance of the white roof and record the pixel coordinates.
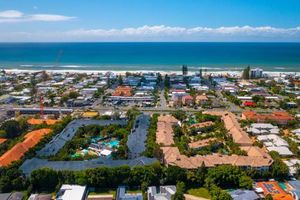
(275, 139)
(105, 152)
(244, 97)
(283, 151)
(296, 131)
(263, 125)
(71, 192)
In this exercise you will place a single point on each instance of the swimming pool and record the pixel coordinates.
(114, 143)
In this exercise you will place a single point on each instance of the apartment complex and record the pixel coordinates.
(256, 158)
(280, 117)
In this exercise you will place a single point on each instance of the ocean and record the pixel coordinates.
(157, 56)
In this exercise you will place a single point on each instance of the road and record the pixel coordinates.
(163, 101)
(138, 136)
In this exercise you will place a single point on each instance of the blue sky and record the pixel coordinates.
(150, 20)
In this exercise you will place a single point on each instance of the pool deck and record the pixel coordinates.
(70, 130)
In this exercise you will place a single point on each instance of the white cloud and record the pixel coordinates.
(50, 18)
(163, 33)
(13, 16)
(10, 14)
(160, 33)
(180, 31)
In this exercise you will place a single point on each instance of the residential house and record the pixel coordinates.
(263, 129)
(164, 193)
(72, 192)
(122, 195)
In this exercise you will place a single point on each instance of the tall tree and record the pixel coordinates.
(246, 73)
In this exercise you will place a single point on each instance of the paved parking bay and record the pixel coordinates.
(70, 130)
(35, 163)
(136, 139)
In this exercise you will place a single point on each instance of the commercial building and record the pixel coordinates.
(33, 111)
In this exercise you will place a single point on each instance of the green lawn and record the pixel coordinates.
(199, 192)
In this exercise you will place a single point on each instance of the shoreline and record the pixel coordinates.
(123, 72)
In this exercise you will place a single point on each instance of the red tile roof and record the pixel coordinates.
(123, 91)
(280, 117)
(2, 140)
(18, 151)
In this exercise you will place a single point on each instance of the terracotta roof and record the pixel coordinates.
(281, 117)
(202, 125)
(33, 121)
(256, 157)
(123, 91)
(172, 156)
(18, 151)
(164, 132)
(232, 125)
(2, 140)
(201, 143)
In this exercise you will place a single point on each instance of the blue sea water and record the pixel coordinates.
(150, 56)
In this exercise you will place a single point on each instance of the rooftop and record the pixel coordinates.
(18, 151)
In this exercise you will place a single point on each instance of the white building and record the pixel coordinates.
(256, 73)
(275, 143)
(263, 129)
(165, 192)
(71, 192)
(122, 195)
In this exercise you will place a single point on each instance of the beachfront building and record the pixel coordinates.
(256, 73)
